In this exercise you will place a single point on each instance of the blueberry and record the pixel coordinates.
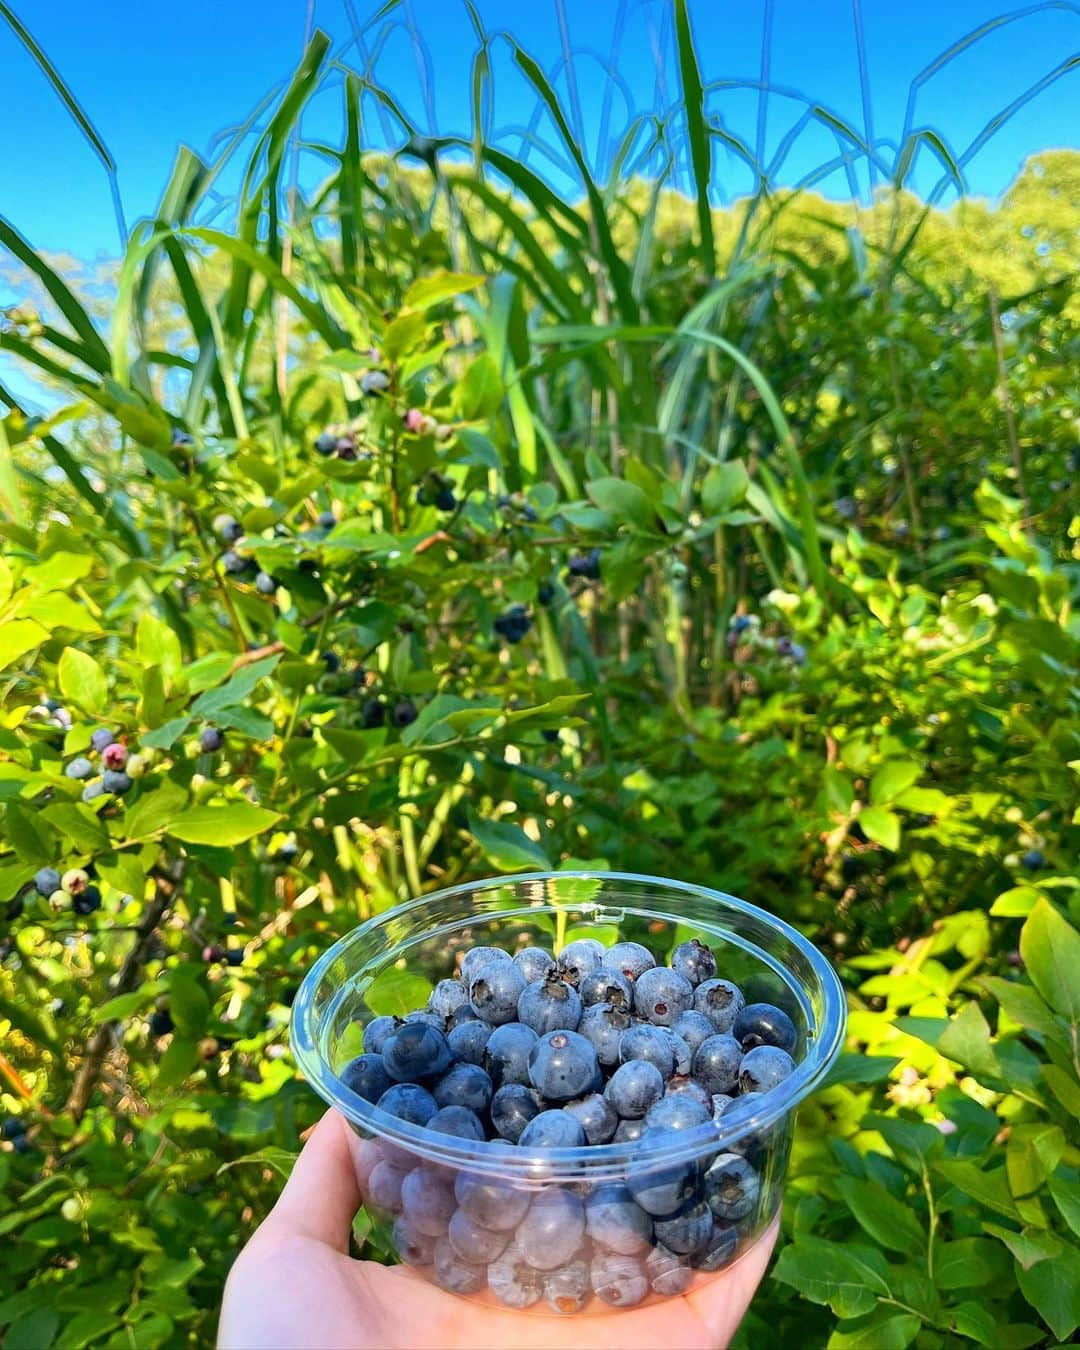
(325, 443)
(716, 1063)
(603, 1027)
(327, 520)
(513, 1280)
(549, 1004)
(474, 1243)
(414, 1051)
(494, 992)
(681, 1085)
(563, 1065)
(93, 790)
(384, 1186)
(694, 960)
(447, 997)
(490, 1202)
(75, 880)
(633, 1088)
(579, 958)
(552, 1129)
(211, 740)
(101, 739)
(414, 1248)
(534, 963)
(550, 1234)
(506, 1055)
(585, 565)
(366, 1076)
(661, 1188)
(46, 881)
(677, 1112)
(694, 1027)
(596, 1117)
(463, 1014)
(228, 528)
(464, 1085)
(662, 995)
(458, 1121)
(331, 661)
(731, 1187)
(720, 1001)
(376, 1032)
(373, 714)
(618, 1280)
(408, 1102)
(629, 1131)
(606, 986)
(688, 1231)
(12, 1128)
(545, 593)
(1033, 860)
(616, 1221)
(720, 1250)
(79, 768)
(22, 1143)
(467, 1041)
(764, 1067)
(512, 1107)
(568, 1288)
(427, 1201)
(476, 957)
(234, 564)
(429, 1018)
(114, 756)
(445, 499)
(632, 959)
(668, 1273)
(161, 1022)
(265, 583)
(720, 1103)
(88, 902)
(404, 713)
(454, 1274)
(514, 624)
(649, 1043)
(764, 1024)
(115, 781)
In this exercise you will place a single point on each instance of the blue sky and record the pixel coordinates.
(153, 77)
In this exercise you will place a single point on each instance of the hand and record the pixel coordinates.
(295, 1285)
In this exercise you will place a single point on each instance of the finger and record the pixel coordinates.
(322, 1195)
(721, 1303)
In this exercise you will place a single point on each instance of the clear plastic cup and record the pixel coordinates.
(570, 1230)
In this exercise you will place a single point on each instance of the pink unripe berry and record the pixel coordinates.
(114, 756)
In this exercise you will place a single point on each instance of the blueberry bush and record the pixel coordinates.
(430, 523)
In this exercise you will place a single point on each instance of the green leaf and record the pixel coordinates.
(222, 825)
(1029, 1247)
(33, 1331)
(881, 825)
(725, 486)
(882, 1331)
(189, 1004)
(913, 1142)
(889, 1222)
(235, 690)
(507, 846)
(280, 1160)
(967, 1263)
(1064, 1087)
(394, 992)
(847, 1278)
(86, 1328)
(967, 1040)
(123, 1005)
(894, 777)
(28, 834)
(988, 1188)
(430, 726)
(625, 502)
(56, 610)
(481, 391)
(428, 291)
(80, 825)
(177, 1062)
(155, 810)
(166, 735)
(849, 1067)
(1066, 1195)
(18, 637)
(1024, 1006)
(976, 1322)
(1050, 947)
(157, 645)
(82, 680)
(1016, 903)
(1032, 1153)
(1053, 1290)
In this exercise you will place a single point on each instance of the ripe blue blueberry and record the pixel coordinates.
(414, 1248)
(512, 1107)
(549, 1004)
(210, 740)
(506, 1055)
(630, 959)
(719, 1251)
(12, 1128)
(101, 739)
(661, 1188)
(372, 714)
(662, 995)
(403, 713)
(619, 1280)
(325, 443)
(633, 1088)
(694, 1027)
(1033, 860)
(551, 1232)
(694, 960)
(468, 1040)
(580, 958)
(720, 1103)
(596, 1117)
(585, 565)
(463, 1014)
(79, 768)
(409, 1102)
(454, 1274)
(668, 1272)
(716, 1063)
(447, 997)
(764, 1068)
(490, 1202)
(603, 1027)
(629, 1131)
(476, 957)
(534, 963)
(513, 1280)
(764, 1024)
(514, 624)
(384, 1186)
(88, 902)
(227, 528)
(606, 986)
(688, 1231)
(415, 1051)
(681, 1085)
(464, 1085)
(567, 1289)
(649, 1043)
(552, 1129)
(265, 583)
(376, 1032)
(445, 499)
(458, 1121)
(327, 520)
(431, 1019)
(616, 1221)
(678, 1112)
(720, 1001)
(116, 781)
(731, 1187)
(46, 881)
(472, 1241)
(563, 1065)
(427, 1201)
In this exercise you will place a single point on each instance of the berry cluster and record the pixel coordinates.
(598, 1046)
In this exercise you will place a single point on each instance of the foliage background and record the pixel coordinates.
(827, 455)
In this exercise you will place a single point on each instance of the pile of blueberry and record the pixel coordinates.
(599, 1046)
